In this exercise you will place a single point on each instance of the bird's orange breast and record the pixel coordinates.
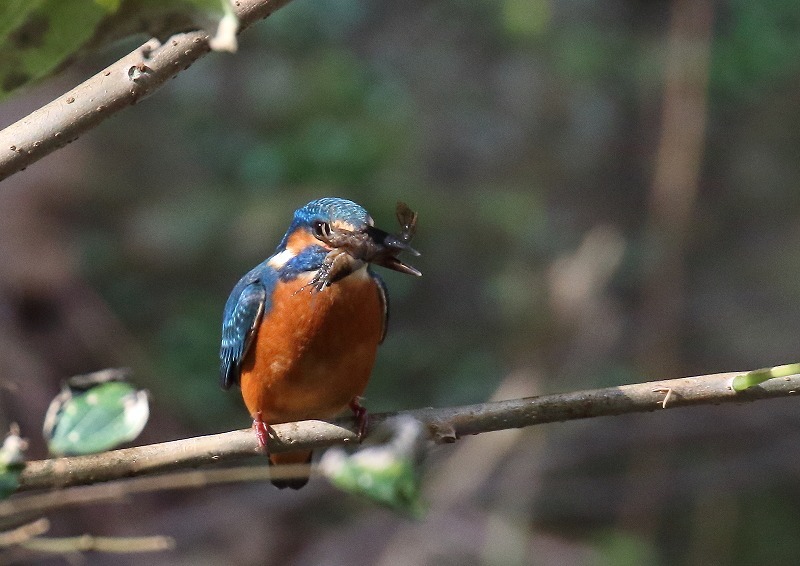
(313, 352)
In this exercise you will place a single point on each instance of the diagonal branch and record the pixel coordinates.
(444, 425)
(122, 84)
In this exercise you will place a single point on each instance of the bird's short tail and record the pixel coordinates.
(300, 457)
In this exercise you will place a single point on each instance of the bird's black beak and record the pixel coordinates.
(384, 249)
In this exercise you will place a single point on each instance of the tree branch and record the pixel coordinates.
(122, 84)
(444, 425)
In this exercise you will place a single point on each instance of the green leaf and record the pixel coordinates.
(39, 37)
(755, 377)
(95, 419)
(387, 473)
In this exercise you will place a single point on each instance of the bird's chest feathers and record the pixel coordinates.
(313, 351)
(338, 312)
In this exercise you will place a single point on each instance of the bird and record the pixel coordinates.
(300, 331)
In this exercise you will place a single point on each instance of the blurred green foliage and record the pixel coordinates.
(756, 44)
(619, 548)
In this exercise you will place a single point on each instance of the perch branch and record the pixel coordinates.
(122, 84)
(444, 425)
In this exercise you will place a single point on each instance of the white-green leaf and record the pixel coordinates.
(385, 473)
(95, 419)
(12, 456)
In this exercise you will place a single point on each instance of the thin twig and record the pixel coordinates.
(444, 425)
(122, 84)
(85, 543)
(119, 491)
(24, 532)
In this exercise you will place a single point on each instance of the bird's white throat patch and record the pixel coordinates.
(281, 258)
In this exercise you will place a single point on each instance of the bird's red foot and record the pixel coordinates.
(262, 432)
(362, 417)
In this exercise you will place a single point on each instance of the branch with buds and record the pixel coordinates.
(122, 84)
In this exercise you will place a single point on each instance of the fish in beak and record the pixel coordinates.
(373, 245)
(383, 249)
(351, 248)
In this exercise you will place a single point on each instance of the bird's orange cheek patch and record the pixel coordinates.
(300, 240)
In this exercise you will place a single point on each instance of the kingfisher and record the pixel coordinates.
(300, 331)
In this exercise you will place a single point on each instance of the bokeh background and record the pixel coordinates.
(607, 194)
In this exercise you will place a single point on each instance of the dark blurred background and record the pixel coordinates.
(607, 194)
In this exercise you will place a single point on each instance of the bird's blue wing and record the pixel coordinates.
(243, 312)
(383, 294)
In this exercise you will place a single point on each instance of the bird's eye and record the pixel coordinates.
(322, 229)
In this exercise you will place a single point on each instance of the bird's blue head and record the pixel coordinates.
(335, 228)
(331, 211)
